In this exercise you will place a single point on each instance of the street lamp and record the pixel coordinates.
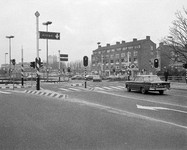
(46, 24)
(5, 57)
(10, 37)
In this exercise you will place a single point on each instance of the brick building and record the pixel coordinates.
(136, 56)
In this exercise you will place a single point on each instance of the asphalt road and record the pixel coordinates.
(93, 119)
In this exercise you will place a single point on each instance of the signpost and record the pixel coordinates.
(49, 35)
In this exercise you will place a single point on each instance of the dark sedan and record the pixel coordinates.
(145, 83)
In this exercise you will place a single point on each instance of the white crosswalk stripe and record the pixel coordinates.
(96, 88)
(4, 92)
(118, 88)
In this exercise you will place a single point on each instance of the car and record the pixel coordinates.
(145, 83)
(97, 78)
(89, 77)
(77, 77)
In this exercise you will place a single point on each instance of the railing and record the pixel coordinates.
(175, 78)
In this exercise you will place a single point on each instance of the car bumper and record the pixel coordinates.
(158, 89)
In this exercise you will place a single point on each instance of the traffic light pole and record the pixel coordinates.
(37, 51)
(85, 76)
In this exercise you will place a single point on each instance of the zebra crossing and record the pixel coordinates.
(92, 88)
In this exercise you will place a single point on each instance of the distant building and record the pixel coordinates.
(52, 59)
(136, 56)
(168, 58)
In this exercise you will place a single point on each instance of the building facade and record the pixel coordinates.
(169, 60)
(136, 56)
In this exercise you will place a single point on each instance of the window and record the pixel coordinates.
(151, 48)
(118, 49)
(108, 51)
(122, 54)
(135, 60)
(112, 50)
(111, 56)
(117, 55)
(111, 61)
(135, 53)
(117, 61)
(124, 48)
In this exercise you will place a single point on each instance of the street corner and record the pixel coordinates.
(48, 93)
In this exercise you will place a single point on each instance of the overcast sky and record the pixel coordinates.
(82, 23)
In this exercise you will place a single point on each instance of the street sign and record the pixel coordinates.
(49, 35)
(63, 57)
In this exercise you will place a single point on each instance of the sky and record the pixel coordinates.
(81, 24)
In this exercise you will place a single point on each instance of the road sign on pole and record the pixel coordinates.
(63, 57)
(49, 35)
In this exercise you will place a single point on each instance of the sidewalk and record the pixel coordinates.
(178, 86)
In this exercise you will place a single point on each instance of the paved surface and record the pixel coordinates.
(174, 85)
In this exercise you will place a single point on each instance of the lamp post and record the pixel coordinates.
(10, 37)
(5, 57)
(46, 24)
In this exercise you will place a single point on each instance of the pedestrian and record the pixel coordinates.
(166, 74)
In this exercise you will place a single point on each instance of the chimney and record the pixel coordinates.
(117, 43)
(107, 44)
(134, 39)
(123, 42)
(147, 37)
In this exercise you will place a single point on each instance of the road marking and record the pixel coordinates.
(118, 88)
(147, 100)
(74, 89)
(159, 108)
(64, 89)
(121, 112)
(106, 88)
(121, 87)
(99, 88)
(3, 92)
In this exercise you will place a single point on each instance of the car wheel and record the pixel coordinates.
(143, 91)
(161, 92)
(128, 89)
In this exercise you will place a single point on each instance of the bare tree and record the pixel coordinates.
(177, 41)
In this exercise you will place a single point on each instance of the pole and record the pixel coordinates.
(59, 65)
(22, 69)
(85, 76)
(10, 58)
(47, 52)
(37, 51)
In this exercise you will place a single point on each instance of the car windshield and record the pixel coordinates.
(151, 79)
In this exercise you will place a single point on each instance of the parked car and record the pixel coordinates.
(77, 77)
(97, 78)
(145, 83)
(89, 77)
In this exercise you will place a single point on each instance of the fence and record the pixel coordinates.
(175, 78)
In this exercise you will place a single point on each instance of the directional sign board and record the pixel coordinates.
(63, 57)
(49, 35)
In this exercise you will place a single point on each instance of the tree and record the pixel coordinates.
(177, 41)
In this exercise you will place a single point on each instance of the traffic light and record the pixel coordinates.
(85, 61)
(156, 63)
(185, 66)
(13, 61)
(32, 64)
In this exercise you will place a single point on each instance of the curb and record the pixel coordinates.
(54, 95)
